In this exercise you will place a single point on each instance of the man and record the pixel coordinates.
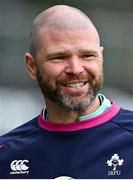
(80, 134)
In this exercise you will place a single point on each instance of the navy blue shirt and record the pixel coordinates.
(97, 148)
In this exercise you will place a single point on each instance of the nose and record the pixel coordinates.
(74, 66)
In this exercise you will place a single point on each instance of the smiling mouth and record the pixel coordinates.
(75, 84)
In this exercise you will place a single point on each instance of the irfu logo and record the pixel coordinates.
(115, 161)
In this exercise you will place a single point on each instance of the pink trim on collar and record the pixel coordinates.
(74, 126)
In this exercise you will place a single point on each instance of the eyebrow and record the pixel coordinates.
(58, 53)
(68, 53)
(88, 51)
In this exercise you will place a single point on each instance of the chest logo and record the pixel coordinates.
(114, 162)
(19, 167)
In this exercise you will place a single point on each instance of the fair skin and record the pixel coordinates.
(63, 54)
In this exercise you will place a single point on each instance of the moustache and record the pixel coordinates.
(75, 79)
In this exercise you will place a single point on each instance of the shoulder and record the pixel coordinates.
(125, 114)
(124, 119)
(19, 132)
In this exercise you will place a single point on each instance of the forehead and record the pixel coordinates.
(53, 38)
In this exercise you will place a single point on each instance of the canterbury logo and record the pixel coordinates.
(19, 167)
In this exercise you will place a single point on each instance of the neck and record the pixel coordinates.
(58, 114)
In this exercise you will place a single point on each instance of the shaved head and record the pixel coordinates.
(59, 17)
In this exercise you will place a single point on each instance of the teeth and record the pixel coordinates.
(75, 85)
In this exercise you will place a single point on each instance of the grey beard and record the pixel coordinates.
(66, 102)
(78, 107)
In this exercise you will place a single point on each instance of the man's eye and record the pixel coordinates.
(57, 58)
(88, 56)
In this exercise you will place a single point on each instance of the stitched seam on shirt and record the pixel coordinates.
(21, 135)
(122, 127)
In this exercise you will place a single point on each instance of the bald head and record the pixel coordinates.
(60, 17)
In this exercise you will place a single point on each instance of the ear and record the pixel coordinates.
(102, 49)
(30, 65)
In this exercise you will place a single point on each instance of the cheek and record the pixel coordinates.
(51, 72)
(94, 68)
